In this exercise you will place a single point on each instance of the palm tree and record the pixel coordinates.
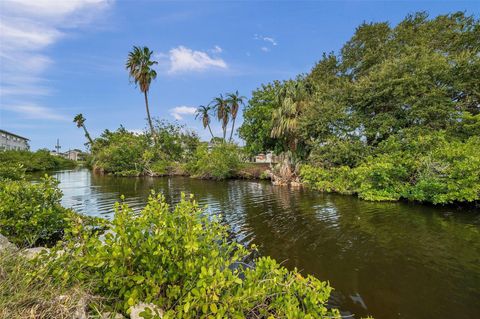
(292, 100)
(139, 66)
(204, 113)
(80, 120)
(223, 111)
(234, 100)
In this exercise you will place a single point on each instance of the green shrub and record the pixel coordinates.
(381, 178)
(40, 160)
(449, 174)
(31, 214)
(124, 153)
(336, 179)
(11, 171)
(339, 152)
(220, 162)
(184, 262)
(120, 152)
(161, 167)
(432, 168)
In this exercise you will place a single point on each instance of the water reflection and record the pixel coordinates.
(390, 260)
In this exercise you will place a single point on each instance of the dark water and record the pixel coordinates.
(389, 260)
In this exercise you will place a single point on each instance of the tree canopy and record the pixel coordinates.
(418, 79)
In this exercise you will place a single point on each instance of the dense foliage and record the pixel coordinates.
(31, 214)
(40, 160)
(12, 171)
(183, 261)
(257, 120)
(431, 168)
(396, 114)
(220, 162)
(175, 151)
(126, 153)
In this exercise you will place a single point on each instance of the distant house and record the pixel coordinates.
(11, 141)
(266, 158)
(74, 155)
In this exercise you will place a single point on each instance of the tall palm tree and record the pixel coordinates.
(139, 65)
(204, 113)
(80, 120)
(223, 112)
(234, 100)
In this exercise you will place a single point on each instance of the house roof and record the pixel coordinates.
(13, 134)
(74, 151)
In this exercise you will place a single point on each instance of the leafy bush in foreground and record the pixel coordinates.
(31, 214)
(12, 171)
(183, 261)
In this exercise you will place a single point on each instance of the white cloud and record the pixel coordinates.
(37, 112)
(27, 28)
(270, 41)
(179, 111)
(216, 49)
(183, 59)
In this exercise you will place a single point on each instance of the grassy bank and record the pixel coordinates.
(21, 297)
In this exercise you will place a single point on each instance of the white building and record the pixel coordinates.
(10, 141)
(74, 155)
(266, 158)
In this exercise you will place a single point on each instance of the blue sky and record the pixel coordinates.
(60, 58)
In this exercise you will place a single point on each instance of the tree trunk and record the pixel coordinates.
(210, 131)
(233, 126)
(87, 135)
(148, 115)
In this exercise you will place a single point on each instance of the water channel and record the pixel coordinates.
(389, 260)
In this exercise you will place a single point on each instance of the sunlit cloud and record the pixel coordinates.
(36, 112)
(27, 28)
(216, 49)
(270, 41)
(179, 111)
(183, 59)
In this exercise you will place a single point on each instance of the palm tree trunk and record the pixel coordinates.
(87, 135)
(233, 126)
(148, 115)
(210, 131)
